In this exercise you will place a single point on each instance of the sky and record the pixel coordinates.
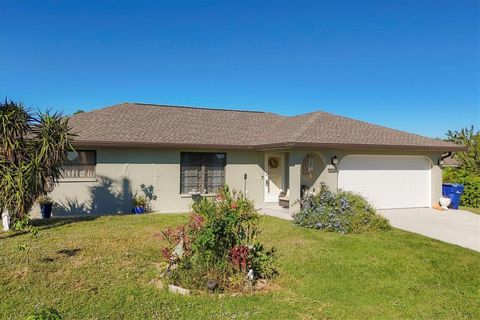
(409, 65)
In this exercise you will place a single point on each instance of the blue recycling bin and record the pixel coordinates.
(454, 192)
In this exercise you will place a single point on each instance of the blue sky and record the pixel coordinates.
(410, 65)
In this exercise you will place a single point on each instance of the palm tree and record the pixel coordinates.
(33, 148)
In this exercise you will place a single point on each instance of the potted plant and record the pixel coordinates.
(46, 205)
(139, 203)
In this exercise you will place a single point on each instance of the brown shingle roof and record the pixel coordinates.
(450, 161)
(136, 124)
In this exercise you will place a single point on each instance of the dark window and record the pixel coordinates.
(202, 172)
(80, 165)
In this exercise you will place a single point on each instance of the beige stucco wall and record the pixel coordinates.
(120, 172)
(436, 185)
(327, 174)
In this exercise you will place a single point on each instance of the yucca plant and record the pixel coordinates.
(33, 147)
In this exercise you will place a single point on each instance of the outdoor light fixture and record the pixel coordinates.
(335, 160)
(441, 162)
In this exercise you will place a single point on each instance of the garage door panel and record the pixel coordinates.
(387, 181)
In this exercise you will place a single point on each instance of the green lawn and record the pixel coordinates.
(474, 210)
(101, 268)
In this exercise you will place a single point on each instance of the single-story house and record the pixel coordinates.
(184, 151)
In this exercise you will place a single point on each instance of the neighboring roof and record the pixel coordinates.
(450, 161)
(138, 124)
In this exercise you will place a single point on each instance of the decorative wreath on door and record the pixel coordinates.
(273, 163)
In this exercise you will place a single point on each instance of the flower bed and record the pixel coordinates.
(218, 249)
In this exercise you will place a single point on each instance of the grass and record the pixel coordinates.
(474, 210)
(102, 268)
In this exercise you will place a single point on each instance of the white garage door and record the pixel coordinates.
(387, 181)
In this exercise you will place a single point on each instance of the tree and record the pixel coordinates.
(469, 160)
(78, 111)
(33, 148)
(468, 173)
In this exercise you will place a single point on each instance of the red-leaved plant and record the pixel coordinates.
(239, 257)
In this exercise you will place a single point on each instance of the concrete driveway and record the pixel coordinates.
(453, 226)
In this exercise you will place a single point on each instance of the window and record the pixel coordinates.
(80, 165)
(202, 172)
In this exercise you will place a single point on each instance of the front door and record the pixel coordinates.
(274, 176)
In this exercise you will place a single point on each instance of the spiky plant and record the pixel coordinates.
(33, 147)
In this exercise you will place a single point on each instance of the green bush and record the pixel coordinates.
(471, 193)
(219, 243)
(45, 314)
(262, 262)
(468, 172)
(452, 175)
(344, 212)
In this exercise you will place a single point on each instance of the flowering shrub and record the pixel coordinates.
(344, 212)
(219, 243)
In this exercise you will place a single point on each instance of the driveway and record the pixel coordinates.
(453, 226)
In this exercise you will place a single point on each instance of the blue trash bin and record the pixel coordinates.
(454, 192)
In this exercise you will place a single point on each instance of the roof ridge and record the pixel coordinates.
(311, 119)
(101, 109)
(122, 104)
(201, 108)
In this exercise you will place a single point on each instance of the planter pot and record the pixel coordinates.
(5, 221)
(139, 210)
(46, 210)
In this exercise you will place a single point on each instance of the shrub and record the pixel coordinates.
(219, 243)
(139, 201)
(471, 193)
(44, 199)
(45, 314)
(344, 212)
(451, 175)
(144, 200)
